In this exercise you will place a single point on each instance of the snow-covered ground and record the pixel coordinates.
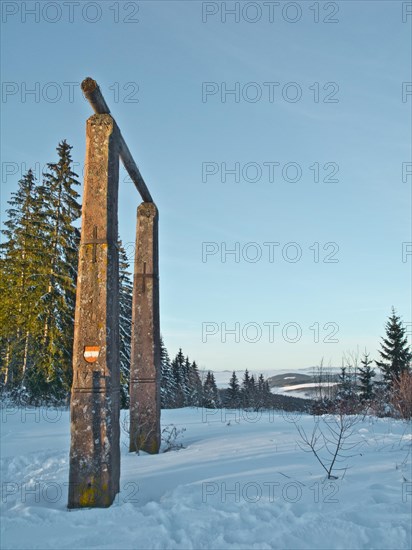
(240, 482)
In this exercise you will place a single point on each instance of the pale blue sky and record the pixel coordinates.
(168, 54)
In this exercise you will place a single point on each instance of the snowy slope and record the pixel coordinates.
(303, 391)
(240, 482)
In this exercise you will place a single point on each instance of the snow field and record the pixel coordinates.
(240, 482)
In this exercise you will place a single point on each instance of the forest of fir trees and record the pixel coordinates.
(38, 272)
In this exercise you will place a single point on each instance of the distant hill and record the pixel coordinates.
(289, 379)
(277, 378)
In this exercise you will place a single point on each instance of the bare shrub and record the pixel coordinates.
(401, 395)
(170, 436)
(331, 440)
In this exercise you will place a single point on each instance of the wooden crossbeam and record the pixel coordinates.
(94, 96)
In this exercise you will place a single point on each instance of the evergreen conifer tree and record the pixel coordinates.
(22, 270)
(233, 395)
(262, 394)
(125, 324)
(168, 388)
(211, 399)
(186, 382)
(366, 374)
(195, 385)
(245, 391)
(179, 378)
(395, 351)
(61, 210)
(253, 397)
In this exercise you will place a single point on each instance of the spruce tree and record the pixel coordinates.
(366, 374)
(347, 399)
(211, 399)
(252, 392)
(268, 394)
(216, 394)
(347, 380)
(261, 383)
(22, 271)
(168, 388)
(262, 393)
(125, 324)
(53, 372)
(344, 381)
(233, 396)
(245, 391)
(395, 351)
(186, 382)
(195, 385)
(179, 378)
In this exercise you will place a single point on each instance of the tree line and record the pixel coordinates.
(183, 385)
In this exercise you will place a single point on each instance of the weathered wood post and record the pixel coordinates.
(95, 405)
(145, 352)
(95, 452)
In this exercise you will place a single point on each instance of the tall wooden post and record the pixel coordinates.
(95, 450)
(95, 405)
(145, 349)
